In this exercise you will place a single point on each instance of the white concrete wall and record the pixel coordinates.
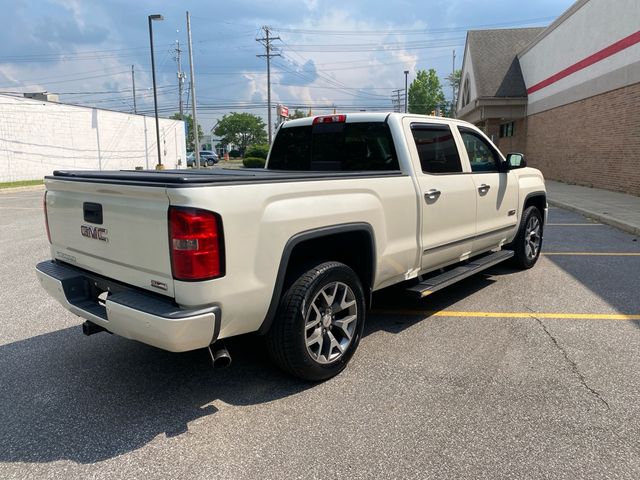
(586, 28)
(38, 137)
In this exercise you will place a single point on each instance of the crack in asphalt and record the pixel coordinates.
(574, 366)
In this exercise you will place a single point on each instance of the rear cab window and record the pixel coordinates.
(339, 146)
(436, 148)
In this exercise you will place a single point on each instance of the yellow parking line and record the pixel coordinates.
(566, 316)
(572, 224)
(605, 254)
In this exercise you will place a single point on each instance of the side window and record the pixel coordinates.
(436, 148)
(482, 156)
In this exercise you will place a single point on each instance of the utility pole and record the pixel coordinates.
(266, 41)
(406, 91)
(181, 77)
(133, 82)
(151, 18)
(395, 99)
(453, 85)
(194, 117)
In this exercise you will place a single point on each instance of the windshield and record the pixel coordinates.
(334, 147)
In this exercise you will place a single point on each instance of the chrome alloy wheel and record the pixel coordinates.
(330, 323)
(532, 237)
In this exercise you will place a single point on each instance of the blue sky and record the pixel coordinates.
(350, 54)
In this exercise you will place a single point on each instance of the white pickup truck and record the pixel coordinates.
(346, 205)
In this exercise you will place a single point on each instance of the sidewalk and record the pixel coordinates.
(616, 209)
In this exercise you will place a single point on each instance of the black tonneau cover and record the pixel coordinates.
(218, 176)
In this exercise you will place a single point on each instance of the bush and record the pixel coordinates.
(253, 162)
(259, 151)
(235, 153)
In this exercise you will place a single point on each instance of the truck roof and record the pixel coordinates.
(365, 117)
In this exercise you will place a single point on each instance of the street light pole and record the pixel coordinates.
(159, 166)
(406, 73)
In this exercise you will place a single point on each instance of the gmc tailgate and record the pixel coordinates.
(114, 230)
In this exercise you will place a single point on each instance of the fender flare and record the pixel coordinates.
(529, 197)
(311, 235)
(526, 199)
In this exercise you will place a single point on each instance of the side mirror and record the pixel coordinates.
(515, 160)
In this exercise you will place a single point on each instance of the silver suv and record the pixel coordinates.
(209, 158)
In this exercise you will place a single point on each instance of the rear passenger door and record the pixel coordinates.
(448, 201)
(496, 191)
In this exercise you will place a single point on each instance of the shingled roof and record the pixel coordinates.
(495, 61)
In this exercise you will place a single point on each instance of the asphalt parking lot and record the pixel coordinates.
(511, 374)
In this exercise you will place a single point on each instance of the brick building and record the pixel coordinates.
(568, 96)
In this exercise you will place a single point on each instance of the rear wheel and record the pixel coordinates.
(528, 241)
(319, 322)
(210, 162)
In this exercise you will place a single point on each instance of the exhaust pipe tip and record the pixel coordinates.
(220, 358)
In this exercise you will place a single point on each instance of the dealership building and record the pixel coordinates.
(567, 96)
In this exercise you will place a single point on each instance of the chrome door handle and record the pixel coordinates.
(432, 194)
(484, 188)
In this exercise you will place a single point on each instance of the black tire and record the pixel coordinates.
(287, 340)
(525, 255)
(210, 162)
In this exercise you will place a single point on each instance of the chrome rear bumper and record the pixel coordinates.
(129, 312)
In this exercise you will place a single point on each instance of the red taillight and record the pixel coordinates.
(46, 215)
(330, 119)
(196, 243)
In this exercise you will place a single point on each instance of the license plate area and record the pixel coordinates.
(90, 293)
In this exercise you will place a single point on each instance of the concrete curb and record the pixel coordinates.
(606, 219)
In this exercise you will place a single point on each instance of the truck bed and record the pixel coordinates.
(219, 176)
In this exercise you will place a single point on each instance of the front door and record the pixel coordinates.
(448, 196)
(496, 192)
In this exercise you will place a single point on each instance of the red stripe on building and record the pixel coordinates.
(612, 49)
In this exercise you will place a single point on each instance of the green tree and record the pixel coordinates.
(260, 150)
(453, 79)
(241, 130)
(425, 92)
(297, 114)
(189, 121)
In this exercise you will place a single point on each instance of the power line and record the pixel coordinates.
(92, 93)
(380, 32)
(374, 47)
(68, 81)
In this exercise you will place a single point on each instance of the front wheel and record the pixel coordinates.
(319, 322)
(528, 241)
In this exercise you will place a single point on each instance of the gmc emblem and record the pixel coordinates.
(97, 233)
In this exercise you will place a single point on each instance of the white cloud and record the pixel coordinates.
(376, 72)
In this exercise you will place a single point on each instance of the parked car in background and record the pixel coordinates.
(209, 158)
